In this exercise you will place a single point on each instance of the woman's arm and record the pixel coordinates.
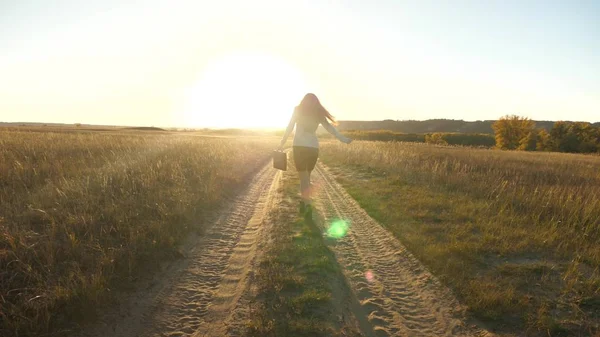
(331, 129)
(288, 131)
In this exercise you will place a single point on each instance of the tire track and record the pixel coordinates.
(397, 295)
(199, 296)
(227, 314)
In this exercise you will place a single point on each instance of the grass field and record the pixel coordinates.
(83, 213)
(514, 234)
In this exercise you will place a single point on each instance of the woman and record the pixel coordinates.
(307, 117)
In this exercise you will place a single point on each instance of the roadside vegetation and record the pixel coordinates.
(84, 214)
(514, 234)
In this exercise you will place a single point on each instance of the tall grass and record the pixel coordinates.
(83, 212)
(515, 234)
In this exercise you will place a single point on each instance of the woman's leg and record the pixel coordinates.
(305, 186)
(305, 159)
(310, 186)
(311, 163)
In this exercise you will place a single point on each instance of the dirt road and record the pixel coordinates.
(202, 295)
(206, 293)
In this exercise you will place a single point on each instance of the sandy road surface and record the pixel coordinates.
(203, 294)
(393, 294)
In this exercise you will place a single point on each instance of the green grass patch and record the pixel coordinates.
(296, 279)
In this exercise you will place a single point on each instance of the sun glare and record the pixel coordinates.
(244, 90)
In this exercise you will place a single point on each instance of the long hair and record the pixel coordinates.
(311, 106)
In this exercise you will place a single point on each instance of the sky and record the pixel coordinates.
(236, 63)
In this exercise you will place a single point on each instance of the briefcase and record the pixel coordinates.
(280, 160)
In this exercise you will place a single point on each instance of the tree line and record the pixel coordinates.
(431, 126)
(519, 133)
(510, 132)
(438, 138)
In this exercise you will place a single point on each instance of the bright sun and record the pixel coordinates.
(245, 90)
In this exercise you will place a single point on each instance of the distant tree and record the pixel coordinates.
(435, 138)
(574, 137)
(511, 130)
(597, 137)
(588, 137)
(543, 141)
(529, 142)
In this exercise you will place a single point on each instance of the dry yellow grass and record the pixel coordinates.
(514, 234)
(83, 212)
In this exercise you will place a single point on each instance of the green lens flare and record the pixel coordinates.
(338, 229)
